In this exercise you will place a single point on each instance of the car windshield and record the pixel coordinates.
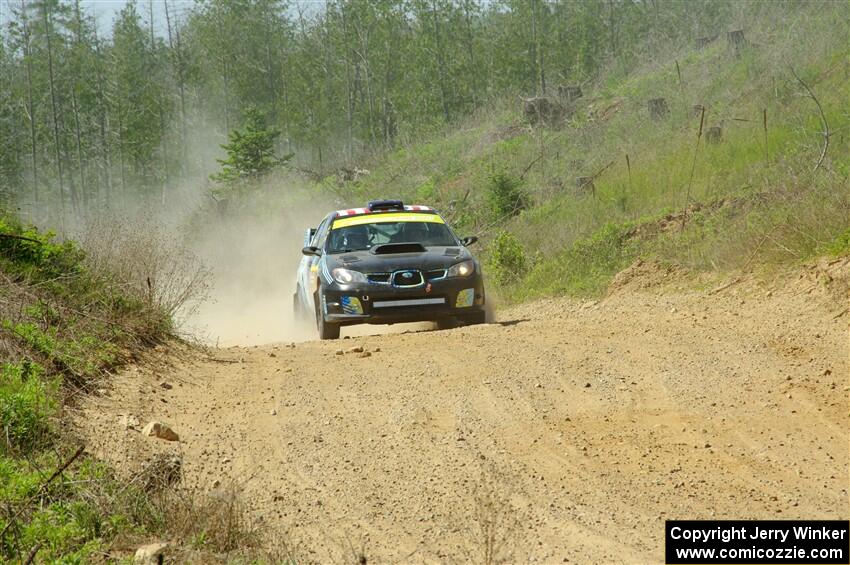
(363, 236)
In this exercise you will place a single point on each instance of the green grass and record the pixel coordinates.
(59, 518)
(840, 245)
(583, 269)
(68, 322)
(777, 210)
(66, 327)
(66, 529)
(27, 403)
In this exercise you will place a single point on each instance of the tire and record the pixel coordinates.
(327, 330)
(298, 312)
(475, 318)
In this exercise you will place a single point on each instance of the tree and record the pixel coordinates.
(138, 99)
(343, 80)
(9, 145)
(250, 152)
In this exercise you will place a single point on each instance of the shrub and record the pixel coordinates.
(840, 245)
(144, 266)
(505, 195)
(507, 259)
(26, 404)
(583, 269)
(33, 253)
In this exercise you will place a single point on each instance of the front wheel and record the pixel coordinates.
(299, 313)
(475, 318)
(327, 330)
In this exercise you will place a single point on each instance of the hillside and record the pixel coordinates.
(766, 192)
(69, 319)
(661, 192)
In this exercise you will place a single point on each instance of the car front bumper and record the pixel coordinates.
(459, 297)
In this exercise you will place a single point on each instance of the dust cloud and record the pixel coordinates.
(252, 254)
(226, 269)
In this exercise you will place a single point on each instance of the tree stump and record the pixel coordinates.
(658, 108)
(714, 135)
(585, 184)
(542, 110)
(736, 40)
(569, 93)
(703, 42)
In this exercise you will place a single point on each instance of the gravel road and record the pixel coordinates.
(567, 432)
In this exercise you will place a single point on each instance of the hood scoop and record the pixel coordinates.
(452, 251)
(349, 258)
(391, 248)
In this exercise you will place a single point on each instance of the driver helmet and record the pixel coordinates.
(355, 237)
(415, 232)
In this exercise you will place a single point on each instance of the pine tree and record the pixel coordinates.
(250, 152)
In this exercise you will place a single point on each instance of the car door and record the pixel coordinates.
(308, 269)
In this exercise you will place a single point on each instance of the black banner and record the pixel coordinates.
(816, 542)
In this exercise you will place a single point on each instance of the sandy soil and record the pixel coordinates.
(569, 431)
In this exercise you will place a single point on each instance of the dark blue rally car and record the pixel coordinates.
(387, 263)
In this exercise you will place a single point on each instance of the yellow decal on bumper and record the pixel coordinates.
(465, 298)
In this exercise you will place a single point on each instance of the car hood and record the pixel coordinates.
(426, 259)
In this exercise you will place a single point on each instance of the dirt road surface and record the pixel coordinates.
(570, 430)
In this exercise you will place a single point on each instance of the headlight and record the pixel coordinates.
(347, 276)
(462, 269)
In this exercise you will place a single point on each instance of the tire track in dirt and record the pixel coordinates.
(578, 426)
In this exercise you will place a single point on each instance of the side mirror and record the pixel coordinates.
(310, 250)
(467, 241)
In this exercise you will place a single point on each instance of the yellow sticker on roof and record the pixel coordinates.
(386, 218)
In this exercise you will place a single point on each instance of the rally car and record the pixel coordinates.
(387, 263)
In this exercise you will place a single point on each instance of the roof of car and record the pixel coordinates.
(359, 211)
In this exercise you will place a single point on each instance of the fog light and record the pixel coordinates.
(465, 298)
(351, 305)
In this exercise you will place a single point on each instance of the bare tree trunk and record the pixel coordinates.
(46, 18)
(181, 88)
(81, 164)
(272, 83)
(348, 85)
(102, 122)
(162, 137)
(121, 154)
(367, 69)
(536, 52)
(541, 64)
(311, 103)
(470, 51)
(30, 104)
(225, 72)
(441, 63)
(387, 107)
(80, 161)
(612, 28)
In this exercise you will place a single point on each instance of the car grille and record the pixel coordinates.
(407, 278)
(384, 278)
